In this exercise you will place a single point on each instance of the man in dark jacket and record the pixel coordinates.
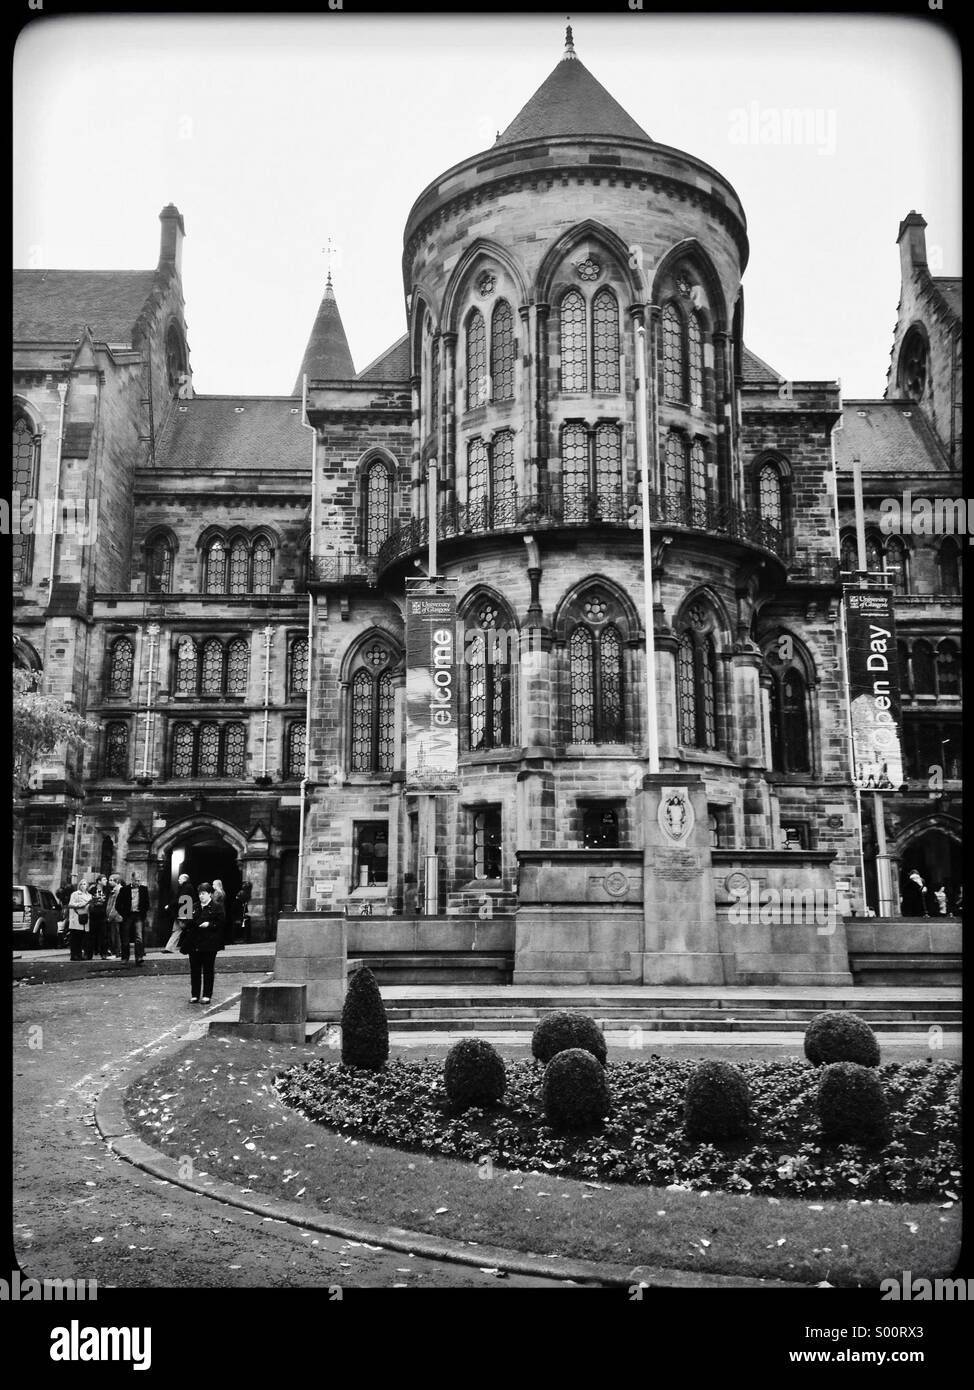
(206, 939)
(134, 926)
(117, 911)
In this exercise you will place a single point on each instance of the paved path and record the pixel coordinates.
(80, 1212)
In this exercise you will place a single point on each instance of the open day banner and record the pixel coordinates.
(874, 689)
(432, 739)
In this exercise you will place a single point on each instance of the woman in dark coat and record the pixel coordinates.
(206, 938)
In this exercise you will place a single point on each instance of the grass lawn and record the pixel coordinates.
(217, 1103)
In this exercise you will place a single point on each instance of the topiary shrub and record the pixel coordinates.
(575, 1092)
(716, 1104)
(839, 1036)
(851, 1105)
(365, 1029)
(564, 1029)
(473, 1073)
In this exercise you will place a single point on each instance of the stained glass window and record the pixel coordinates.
(159, 576)
(605, 340)
(234, 750)
(608, 470)
(502, 478)
(121, 666)
(378, 506)
(708, 695)
(116, 750)
(183, 741)
(574, 343)
(673, 366)
(211, 680)
(372, 713)
(695, 361)
(262, 566)
(295, 751)
(363, 699)
(582, 667)
(574, 471)
(186, 667)
(674, 481)
(687, 682)
(239, 568)
(769, 494)
(216, 569)
(23, 483)
(476, 360)
(502, 351)
(477, 476)
(610, 712)
(299, 666)
(385, 749)
(209, 750)
(238, 666)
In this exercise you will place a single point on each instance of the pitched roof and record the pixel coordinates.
(55, 306)
(327, 357)
(951, 290)
(391, 365)
(571, 102)
(889, 437)
(755, 371)
(236, 433)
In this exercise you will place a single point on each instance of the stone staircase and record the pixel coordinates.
(437, 967)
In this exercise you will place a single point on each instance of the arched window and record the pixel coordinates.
(295, 752)
(950, 570)
(24, 485)
(923, 669)
(489, 682)
(298, 668)
(696, 671)
(913, 364)
(208, 759)
(790, 750)
(675, 470)
(574, 343)
(211, 679)
(948, 668)
(183, 750)
(769, 495)
(121, 664)
(502, 479)
(238, 666)
(234, 750)
(595, 664)
(116, 749)
(476, 360)
(848, 555)
(478, 481)
(215, 569)
(608, 470)
(502, 352)
(239, 567)
(687, 685)
(674, 367)
(874, 555)
(186, 667)
(373, 711)
(694, 361)
(262, 564)
(897, 565)
(378, 506)
(574, 471)
(605, 341)
(159, 567)
(699, 489)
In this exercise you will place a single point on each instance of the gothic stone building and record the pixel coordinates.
(236, 631)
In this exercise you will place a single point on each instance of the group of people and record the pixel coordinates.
(105, 916)
(918, 900)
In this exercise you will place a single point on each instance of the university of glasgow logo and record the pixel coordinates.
(675, 814)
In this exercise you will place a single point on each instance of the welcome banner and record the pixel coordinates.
(874, 689)
(432, 736)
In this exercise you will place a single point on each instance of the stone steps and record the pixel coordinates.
(478, 1023)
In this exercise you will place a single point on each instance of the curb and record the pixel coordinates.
(114, 1128)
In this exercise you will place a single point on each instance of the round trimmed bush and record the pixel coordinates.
(365, 1029)
(575, 1092)
(851, 1104)
(473, 1073)
(564, 1029)
(717, 1104)
(839, 1036)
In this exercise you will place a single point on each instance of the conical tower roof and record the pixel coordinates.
(326, 358)
(571, 102)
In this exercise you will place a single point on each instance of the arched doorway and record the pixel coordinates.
(936, 852)
(203, 850)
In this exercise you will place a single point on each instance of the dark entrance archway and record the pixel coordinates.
(205, 856)
(937, 855)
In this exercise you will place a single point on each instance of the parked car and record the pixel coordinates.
(36, 916)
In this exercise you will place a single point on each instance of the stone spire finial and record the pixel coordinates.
(569, 43)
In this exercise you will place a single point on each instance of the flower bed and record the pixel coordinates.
(642, 1140)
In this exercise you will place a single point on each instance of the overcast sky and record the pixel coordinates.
(274, 134)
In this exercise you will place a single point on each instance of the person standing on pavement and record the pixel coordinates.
(117, 912)
(180, 911)
(97, 920)
(206, 938)
(135, 927)
(78, 924)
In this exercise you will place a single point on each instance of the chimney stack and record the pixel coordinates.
(171, 242)
(912, 244)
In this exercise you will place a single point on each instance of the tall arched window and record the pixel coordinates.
(769, 495)
(489, 682)
(699, 489)
(897, 565)
(950, 569)
(211, 677)
(239, 568)
(234, 750)
(608, 470)
(298, 667)
(923, 669)
(697, 681)
(378, 506)
(23, 485)
(596, 681)
(790, 750)
(186, 667)
(478, 481)
(605, 341)
(116, 749)
(674, 367)
(238, 666)
(874, 556)
(215, 568)
(502, 478)
(675, 470)
(476, 360)
(502, 352)
(694, 361)
(121, 664)
(373, 711)
(948, 668)
(848, 555)
(574, 471)
(159, 567)
(295, 752)
(574, 342)
(183, 750)
(262, 565)
(687, 687)
(208, 757)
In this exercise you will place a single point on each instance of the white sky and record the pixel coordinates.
(274, 134)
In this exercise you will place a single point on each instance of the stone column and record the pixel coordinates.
(680, 942)
(666, 703)
(536, 805)
(744, 670)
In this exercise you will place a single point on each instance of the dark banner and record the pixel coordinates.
(432, 739)
(874, 689)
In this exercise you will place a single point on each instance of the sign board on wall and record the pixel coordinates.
(874, 689)
(432, 737)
